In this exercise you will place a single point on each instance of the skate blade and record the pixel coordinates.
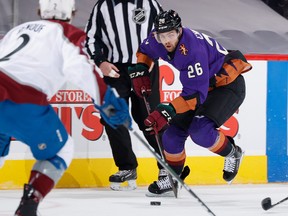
(123, 186)
(230, 182)
(166, 194)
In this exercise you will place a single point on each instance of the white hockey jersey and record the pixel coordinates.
(46, 54)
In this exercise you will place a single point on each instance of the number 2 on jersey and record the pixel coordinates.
(26, 39)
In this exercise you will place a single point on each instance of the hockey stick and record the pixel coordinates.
(148, 108)
(267, 204)
(171, 171)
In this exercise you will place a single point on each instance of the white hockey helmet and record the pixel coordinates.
(57, 9)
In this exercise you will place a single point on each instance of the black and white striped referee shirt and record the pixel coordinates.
(117, 27)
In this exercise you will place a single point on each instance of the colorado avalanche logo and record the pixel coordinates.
(139, 16)
(183, 49)
(42, 146)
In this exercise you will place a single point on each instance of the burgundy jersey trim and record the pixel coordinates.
(78, 37)
(18, 93)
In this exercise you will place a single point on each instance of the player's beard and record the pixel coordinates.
(170, 47)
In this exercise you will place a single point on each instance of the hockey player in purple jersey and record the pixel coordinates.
(212, 90)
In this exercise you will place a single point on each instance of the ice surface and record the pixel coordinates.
(230, 200)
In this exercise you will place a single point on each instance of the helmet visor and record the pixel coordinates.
(167, 36)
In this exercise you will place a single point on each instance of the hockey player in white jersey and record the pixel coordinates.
(36, 59)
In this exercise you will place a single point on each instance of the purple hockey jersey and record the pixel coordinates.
(197, 56)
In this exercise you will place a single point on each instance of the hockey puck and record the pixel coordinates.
(155, 203)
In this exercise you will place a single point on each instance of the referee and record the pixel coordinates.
(114, 31)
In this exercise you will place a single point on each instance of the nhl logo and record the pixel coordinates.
(139, 16)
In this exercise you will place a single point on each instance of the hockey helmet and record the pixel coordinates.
(57, 9)
(166, 21)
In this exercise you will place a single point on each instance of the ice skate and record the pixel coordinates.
(232, 163)
(29, 202)
(162, 173)
(123, 180)
(161, 188)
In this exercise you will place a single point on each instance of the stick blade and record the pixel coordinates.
(266, 203)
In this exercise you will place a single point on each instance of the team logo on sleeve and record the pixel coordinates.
(42, 146)
(139, 16)
(183, 49)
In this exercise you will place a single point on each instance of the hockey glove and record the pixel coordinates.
(159, 118)
(114, 110)
(139, 76)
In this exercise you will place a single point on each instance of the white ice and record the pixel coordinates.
(223, 200)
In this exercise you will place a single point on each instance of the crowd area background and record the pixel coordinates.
(253, 26)
(280, 6)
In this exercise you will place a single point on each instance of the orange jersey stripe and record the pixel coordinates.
(231, 71)
(175, 159)
(219, 144)
(142, 58)
(181, 105)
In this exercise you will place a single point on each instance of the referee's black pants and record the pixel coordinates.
(120, 140)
